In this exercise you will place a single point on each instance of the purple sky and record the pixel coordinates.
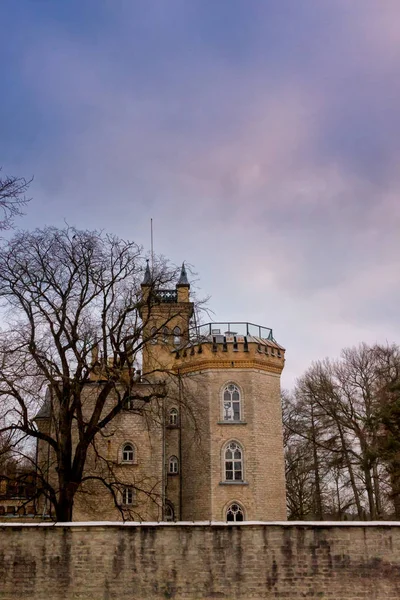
(263, 138)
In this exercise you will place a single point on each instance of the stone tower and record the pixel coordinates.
(223, 448)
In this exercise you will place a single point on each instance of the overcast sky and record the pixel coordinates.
(263, 138)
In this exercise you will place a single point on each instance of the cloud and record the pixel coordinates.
(262, 140)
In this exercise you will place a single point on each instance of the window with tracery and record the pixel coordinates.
(231, 403)
(173, 417)
(128, 453)
(233, 462)
(173, 465)
(235, 512)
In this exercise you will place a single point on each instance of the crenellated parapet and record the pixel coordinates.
(238, 346)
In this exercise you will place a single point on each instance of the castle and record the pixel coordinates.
(211, 447)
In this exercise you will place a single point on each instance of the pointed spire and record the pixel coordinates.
(183, 280)
(147, 275)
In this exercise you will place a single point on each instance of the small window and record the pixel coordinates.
(169, 513)
(173, 466)
(173, 417)
(235, 513)
(128, 453)
(165, 335)
(128, 496)
(233, 462)
(129, 403)
(153, 335)
(177, 336)
(231, 403)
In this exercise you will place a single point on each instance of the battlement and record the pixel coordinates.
(227, 345)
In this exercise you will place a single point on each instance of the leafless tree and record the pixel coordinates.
(345, 426)
(12, 198)
(75, 315)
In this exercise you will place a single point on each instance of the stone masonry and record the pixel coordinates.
(191, 562)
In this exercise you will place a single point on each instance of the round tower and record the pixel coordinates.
(233, 465)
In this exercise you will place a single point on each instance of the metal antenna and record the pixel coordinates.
(152, 248)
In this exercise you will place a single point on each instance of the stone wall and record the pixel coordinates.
(194, 561)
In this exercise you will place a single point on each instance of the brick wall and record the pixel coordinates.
(185, 562)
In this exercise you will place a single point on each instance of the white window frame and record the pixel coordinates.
(128, 496)
(229, 403)
(233, 446)
(131, 453)
(173, 465)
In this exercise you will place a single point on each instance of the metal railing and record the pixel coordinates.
(232, 328)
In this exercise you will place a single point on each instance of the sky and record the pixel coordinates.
(261, 136)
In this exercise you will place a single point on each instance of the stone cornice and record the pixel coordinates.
(205, 364)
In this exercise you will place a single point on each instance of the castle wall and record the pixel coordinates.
(185, 562)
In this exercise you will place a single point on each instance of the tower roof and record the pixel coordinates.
(147, 275)
(183, 280)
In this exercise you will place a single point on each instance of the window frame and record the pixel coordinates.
(173, 417)
(165, 335)
(237, 389)
(121, 459)
(176, 335)
(153, 335)
(173, 465)
(127, 491)
(169, 507)
(233, 461)
(240, 510)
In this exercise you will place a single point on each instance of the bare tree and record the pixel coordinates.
(12, 199)
(76, 322)
(345, 427)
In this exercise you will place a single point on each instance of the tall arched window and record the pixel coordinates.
(177, 336)
(231, 403)
(153, 335)
(173, 465)
(128, 453)
(233, 462)
(165, 334)
(173, 417)
(235, 512)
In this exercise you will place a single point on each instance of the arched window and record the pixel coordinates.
(177, 336)
(173, 417)
(165, 334)
(173, 465)
(231, 403)
(128, 496)
(235, 512)
(233, 462)
(169, 514)
(153, 335)
(128, 453)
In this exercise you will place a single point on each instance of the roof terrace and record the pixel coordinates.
(233, 328)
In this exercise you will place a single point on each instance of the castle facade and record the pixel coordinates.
(211, 447)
